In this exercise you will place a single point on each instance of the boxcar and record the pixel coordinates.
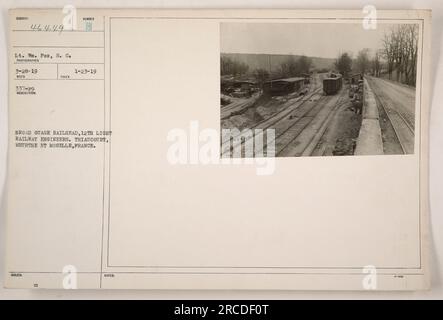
(333, 84)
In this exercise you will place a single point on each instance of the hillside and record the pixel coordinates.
(265, 61)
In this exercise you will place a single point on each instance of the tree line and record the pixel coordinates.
(229, 66)
(397, 56)
(291, 67)
(363, 63)
(400, 49)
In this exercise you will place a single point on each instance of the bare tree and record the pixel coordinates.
(288, 67)
(293, 67)
(362, 62)
(400, 48)
(232, 67)
(411, 53)
(303, 65)
(399, 52)
(376, 64)
(344, 64)
(388, 53)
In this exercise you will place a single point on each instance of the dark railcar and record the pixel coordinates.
(333, 84)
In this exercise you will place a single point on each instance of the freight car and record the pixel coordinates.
(332, 84)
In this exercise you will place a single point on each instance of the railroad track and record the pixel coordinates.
(311, 147)
(276, 118)
(285, 111)
(406, 121)
(398, 121)
(306, 149)
(237, 106)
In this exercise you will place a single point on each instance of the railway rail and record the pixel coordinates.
(398, 123)
(237, 106)
(308, 146)
(279, 116)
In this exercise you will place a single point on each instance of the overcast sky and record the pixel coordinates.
(312, 39)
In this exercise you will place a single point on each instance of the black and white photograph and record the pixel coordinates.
(259, 152)
(323, 89)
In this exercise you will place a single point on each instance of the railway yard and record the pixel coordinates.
(315, 120)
